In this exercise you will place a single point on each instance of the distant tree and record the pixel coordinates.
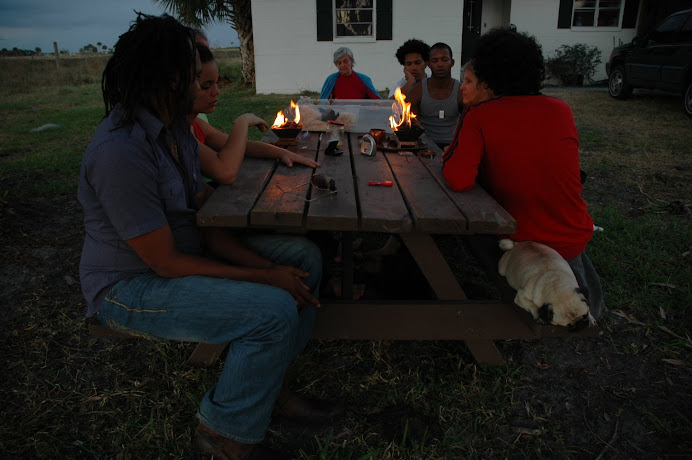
(98, 46)
(88, 49)
(237, 13)
(38, 50)
(64, 51)
(104, 48)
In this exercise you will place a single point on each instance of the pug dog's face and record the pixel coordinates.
(570, 310)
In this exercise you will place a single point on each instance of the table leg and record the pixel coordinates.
(347, 261)
(485, 352)
(433, 265)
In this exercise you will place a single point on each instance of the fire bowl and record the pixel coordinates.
(409, 134)
(287, 133)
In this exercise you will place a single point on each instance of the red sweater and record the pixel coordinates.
(524, 150)
(352, 87)
(198, 132)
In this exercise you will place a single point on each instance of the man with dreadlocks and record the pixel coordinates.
(148, 270)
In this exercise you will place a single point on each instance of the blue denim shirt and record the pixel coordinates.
(130, 185)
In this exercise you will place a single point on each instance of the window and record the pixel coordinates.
(354, 18)
(671, 30)
(346, 20)
(584, 14)
(596, 13)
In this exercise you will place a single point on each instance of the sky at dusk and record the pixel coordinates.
(27, 24)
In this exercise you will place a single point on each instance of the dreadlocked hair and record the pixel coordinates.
(152, 65)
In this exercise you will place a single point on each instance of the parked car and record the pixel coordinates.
(661, 59)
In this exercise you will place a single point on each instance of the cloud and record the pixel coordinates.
(27, 24)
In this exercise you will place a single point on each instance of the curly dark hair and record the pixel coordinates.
(155, 52)
(413, 46)
(509, 62)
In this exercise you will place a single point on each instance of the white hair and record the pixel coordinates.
(343, 51)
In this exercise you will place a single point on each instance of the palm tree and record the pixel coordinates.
(98, 45)
(237, 13)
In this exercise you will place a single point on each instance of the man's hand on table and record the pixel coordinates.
(291, 279)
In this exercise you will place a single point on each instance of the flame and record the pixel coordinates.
(402, 111)
(282, 120)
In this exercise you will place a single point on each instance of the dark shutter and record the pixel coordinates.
(629, 17)
(324, 20)
(564, 15)
(384, 20)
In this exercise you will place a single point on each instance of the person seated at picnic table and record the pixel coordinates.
(437, 100)
(201, 38)
(147, 269)
(414, 56)
(347, 83)
(221, 154)
(523, 148)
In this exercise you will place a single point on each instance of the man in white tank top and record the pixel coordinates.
(437, 100)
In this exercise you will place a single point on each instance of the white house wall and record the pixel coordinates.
(289, 59)
(539, 18)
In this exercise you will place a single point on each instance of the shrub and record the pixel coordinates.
(572, 63)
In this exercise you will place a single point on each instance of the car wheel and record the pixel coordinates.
(687, 99)
(617, 84)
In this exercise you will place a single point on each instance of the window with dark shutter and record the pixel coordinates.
(583, 14)
(354, 20)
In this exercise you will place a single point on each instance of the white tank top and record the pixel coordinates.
(439, 117)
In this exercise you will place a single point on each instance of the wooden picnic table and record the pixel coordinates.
(269, 195)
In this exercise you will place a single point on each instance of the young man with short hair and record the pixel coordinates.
(437, 101)
(413, 55)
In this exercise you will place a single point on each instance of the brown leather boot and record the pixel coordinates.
(294, 407)
(210, 443)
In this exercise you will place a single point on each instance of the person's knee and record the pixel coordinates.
(279, 317)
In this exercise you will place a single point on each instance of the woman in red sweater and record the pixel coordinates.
(523, 148)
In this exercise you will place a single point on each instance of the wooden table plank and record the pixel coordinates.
(430, 206)
(282, 204)
(382, 208)
(230, 205)
(483, 213)
(338, 212)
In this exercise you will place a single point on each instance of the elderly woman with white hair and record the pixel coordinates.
(346, 83)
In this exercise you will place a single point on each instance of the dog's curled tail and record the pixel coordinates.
(506, 244)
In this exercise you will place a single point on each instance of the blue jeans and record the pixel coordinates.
(265, 329)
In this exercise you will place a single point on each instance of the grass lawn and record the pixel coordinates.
(625, 394)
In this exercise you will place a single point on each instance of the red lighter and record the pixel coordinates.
(383, 183)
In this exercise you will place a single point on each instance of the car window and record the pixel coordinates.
(686, 31)
(665, 32)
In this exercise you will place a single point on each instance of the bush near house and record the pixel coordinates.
(573, 63)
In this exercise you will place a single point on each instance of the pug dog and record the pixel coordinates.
(545, 284)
